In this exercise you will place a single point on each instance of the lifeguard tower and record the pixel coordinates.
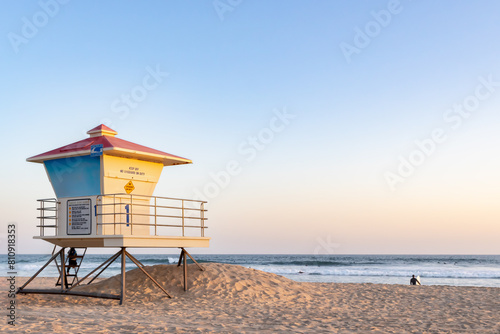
(104, 198)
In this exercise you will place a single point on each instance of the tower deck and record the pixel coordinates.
(129, 241)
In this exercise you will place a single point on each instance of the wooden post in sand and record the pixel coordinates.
(63, 269)
(122, 294)
(185, 271)
(183, 259)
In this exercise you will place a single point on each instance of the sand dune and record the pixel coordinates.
(222, 280)
(233, 299)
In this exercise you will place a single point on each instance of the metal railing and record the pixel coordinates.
(47, 211)
(151, 215)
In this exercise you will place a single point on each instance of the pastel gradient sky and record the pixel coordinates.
(387, 139)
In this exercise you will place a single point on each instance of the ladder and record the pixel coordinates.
(71, 277)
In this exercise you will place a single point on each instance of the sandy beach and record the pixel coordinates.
(233, 299)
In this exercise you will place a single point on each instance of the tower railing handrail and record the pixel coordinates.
(178, 213)
(44, 210)
(121, 207)
(147, 196)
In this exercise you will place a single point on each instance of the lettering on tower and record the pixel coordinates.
(79, 217)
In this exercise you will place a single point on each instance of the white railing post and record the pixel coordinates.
(98, 200)
(131, 224)
(202, 206)
(42, 214)
(156, 233)
(56, 208)
(182, 217)
(114, 213)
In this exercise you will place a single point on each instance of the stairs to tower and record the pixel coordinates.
(71, 269)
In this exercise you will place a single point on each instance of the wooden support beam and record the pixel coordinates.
(39, 271)
(183, 259)
(113, 259)
(180, 257)
(185, 270)
(69, 293)
(63, 270)
(110, 260)
(134, 258)
(138, 264)
(122, 294)
(94, 295)
(186, 252)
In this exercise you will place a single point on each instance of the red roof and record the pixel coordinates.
(111, 145)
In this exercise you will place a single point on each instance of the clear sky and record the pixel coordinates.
(357, 126)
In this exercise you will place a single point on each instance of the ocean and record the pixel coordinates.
(457, 270)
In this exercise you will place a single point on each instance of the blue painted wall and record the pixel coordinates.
(76, 176)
